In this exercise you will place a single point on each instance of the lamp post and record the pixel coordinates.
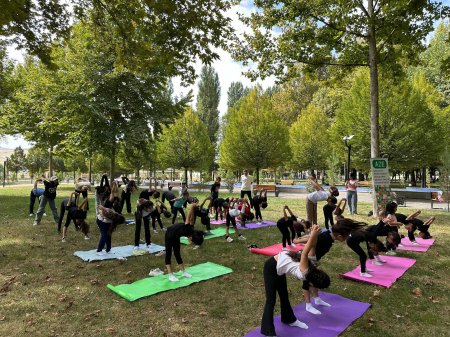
(346, 140)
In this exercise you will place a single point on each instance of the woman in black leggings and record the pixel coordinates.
(284, 225)
(172, 242)
(143, 210)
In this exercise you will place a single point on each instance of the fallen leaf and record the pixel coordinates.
(128, 273)
(2, 318)
(184, 320)
(376, 293)
(94, 281)
(203, 313)
(417, 292)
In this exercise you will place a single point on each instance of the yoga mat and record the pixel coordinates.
(120, 253)
(384, 275)
(156, 284)
(129, 222)
(425, 244)
(331, 323)
(217, 232)
(275, 249)
(254, 225)
(218, 222)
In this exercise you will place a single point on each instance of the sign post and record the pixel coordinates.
(381, 183)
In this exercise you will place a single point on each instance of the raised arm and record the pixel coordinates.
(204, 201)
(289, 210)
(304, 263)
(285, 208)
(413, 215)
(315, 184)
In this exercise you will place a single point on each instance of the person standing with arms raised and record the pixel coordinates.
(246, 186)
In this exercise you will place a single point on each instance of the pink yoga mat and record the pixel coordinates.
(275, 249)
(384, 275)
(218, 222)
(331, 323)
(425, 244)
(248, 225)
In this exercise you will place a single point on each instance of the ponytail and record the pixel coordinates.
(345, 226)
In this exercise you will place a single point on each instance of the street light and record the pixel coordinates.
(346, 140)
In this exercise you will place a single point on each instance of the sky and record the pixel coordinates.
(227, 69)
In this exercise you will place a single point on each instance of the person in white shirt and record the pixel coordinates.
(290, 263)
(313, 198)
(246, 186)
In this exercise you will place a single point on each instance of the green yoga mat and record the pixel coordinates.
(157, 284)
(217, 232)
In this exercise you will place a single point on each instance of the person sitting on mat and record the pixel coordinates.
(231, 213)
(285, 224)
(143, 210)
(328, 209)
(412, 224)
(374, 246)
(297, 265)
(259, 201)
(75, 213)
(172, 242)
(107, 221)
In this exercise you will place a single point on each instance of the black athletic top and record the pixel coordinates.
(175, 232)
(167, 195)
(215, 190)
(218, 203)
(50, 189)
(324, 244)
(288, 223)
(146, 194)
(362, 236)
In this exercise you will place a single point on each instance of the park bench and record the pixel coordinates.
(365, 183)
(267, 187)
(287, 182)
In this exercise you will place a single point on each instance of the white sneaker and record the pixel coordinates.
(258, 223)
(63, 239)
(415, 243)
(35, 223)
(293, 245)
(173, 278)
(100, 253)
(31, 214)
(391, 252)
(401, 245)
(196, 247)
(229, 239)
(377, 263)
(285, 248)
(45, 214)
(299, 324)
(164, 229)
(366, 275)
(186, 274)
(241, 237)
(87, 237)
(155, 231)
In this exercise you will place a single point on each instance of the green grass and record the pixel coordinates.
(46, 291)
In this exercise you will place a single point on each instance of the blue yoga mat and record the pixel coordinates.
(119, 253)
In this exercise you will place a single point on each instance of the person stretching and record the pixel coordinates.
(231, 212)
(284, 225)
(143, 210)
(328, 209)
(178, 204)
(75, 213)
(292, 264)
(35, 193)
(107, 221)
(313, 198)
(172, 242)
(128, 188)
(260, 201)
(48, 197)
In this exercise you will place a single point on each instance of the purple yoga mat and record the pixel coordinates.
(384, 275)
(253, 225)
(424, 245)
(218, 222)
(331, 323)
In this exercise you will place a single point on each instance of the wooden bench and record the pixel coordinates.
(365, 183)
(267, 187)
(287, 182)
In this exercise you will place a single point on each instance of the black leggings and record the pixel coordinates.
(249, 193)
(173, 242)
(137, 231)
(274, 283)
(258, 214)
(286, 236)
(125, 198)
(175, 210)
(232, 220)
(216, 209)
(156, 216)
(354, 244)
(417, 224)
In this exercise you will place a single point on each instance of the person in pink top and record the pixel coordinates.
(352, 196)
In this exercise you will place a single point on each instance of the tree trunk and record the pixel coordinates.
(185, 175)
(374, 108)
(90, 170)
(257, 175)
(413, 178)
(50, 161)
(112, 167)
(424, 177)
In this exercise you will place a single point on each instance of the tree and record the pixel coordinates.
(186, 144)
(254, 137)
(309, 141)
(208, 100)
(407, 125)
(235, 92)
(37, 161)
(340, 33)
(17, 160)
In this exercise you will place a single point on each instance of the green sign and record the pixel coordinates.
(379, 163)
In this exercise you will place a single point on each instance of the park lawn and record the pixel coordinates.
(46, 291)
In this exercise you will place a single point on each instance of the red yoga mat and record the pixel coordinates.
(275, 249)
